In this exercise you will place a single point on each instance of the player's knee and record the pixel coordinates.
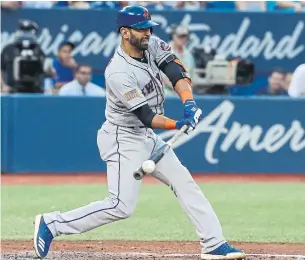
(125, 211)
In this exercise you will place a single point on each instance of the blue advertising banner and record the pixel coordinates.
(268, 39)
(237, 135)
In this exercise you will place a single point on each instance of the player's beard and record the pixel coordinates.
(138, 43)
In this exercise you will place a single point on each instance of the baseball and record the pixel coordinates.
(148, 166)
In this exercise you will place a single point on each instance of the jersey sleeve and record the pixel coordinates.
(159, 49)
(126, 90)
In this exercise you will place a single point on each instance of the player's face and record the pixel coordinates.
(139, 38)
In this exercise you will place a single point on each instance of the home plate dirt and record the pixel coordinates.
(117, 250)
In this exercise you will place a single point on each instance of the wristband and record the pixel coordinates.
(186, 95)
(170, 124)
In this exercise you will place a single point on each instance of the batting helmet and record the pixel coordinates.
(134, 16)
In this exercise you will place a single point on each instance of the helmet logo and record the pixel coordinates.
(146, 15)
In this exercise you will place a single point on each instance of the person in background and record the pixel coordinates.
(81, 85)
(64, 65)
(276, 84)
(251, 6)
(152, 5)
(10, 5)
(287, 80)
(297, 84)
(79, 4)
(108, 4)
(188, 5)
(294, 6)
(221, 5)
(179, 39)
(38, 4)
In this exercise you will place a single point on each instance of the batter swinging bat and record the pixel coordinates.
(155, 157)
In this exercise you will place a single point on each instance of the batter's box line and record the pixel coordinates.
(295, 257)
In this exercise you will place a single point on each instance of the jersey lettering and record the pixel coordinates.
(148, 88)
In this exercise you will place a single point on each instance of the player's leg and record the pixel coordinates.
(124, 152)
(171, 172)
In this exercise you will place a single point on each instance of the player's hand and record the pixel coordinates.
(190, 122)
(190, 108)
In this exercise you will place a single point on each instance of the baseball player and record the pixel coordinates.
(135, 99)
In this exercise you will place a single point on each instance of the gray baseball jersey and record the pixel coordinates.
(124, 147)
(131, 83)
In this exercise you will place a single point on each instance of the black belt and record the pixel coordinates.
(131, 127)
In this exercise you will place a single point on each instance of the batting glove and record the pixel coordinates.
(190, 108)
(190, 122)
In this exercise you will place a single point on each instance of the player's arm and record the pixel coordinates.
(181, 81)
(173, 68)
(178, 75)
(153, 120)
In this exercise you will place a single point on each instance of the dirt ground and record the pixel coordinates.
(115, 250)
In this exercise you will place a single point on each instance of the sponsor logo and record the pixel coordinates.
(241, 136)
(241, 41)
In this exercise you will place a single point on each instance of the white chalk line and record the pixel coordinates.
(299, 257)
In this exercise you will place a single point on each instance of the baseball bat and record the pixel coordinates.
(157, 156)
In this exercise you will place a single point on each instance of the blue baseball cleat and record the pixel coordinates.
(225, 251)
(42, 237)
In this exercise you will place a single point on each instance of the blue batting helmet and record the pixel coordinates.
(134, 16)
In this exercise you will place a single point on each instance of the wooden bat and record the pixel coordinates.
(158, 155)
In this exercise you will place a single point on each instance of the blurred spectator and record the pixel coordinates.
(284, 5)
(11, 5)
(179, 40)
(64, 65)
(108, 4)
(157, 5)
(276, 84)
(224, 5)
(188, 5)
(38, 4)
(61, 4)
(297, 84)
(81, 85)
(79, 4)
(251, 5)
(287, 80)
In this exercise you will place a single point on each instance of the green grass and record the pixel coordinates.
(248, 212)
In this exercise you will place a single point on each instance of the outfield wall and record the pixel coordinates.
(48, 134)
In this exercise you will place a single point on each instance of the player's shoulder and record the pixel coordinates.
(118, 70)
(117, 64)
(156, 43)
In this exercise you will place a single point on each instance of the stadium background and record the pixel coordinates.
(248, 154)
(271, 127)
